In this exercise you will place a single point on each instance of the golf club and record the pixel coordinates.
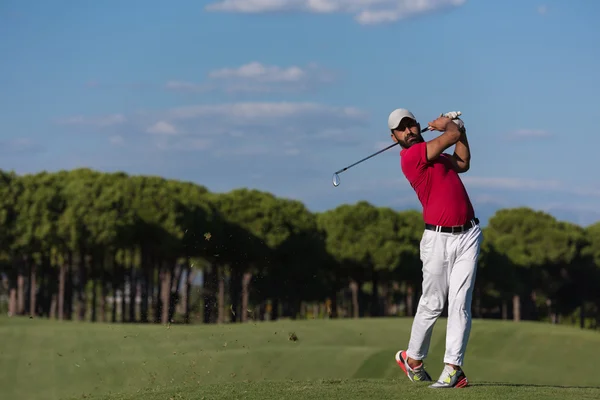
(336, 177)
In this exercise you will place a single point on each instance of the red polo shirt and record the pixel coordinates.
(441, 192)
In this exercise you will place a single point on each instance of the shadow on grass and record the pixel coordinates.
(499, 384)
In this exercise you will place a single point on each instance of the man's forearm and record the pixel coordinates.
(461, 149)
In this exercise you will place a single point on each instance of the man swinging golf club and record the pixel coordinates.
(449, 246)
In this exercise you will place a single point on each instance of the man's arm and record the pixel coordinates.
(462, 153)
(451, 136)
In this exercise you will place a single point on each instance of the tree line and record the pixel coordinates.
(87, 245)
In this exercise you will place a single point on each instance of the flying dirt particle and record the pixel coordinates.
(207, 236)
(292, 337)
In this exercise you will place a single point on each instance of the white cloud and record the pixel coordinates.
(283, 114)
(243, 127)
(257, 77)
(162, 128)
(365, 11)
(259, 72)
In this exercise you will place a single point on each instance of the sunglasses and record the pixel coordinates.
(406, 123)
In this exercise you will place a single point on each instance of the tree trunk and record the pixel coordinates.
(94, 317)
(144, 284)
(53, 304)
(235, 289)
(167, 275)
(375, 293)
(81, 299)
(61, 291)
(221, 298)
(245, 295)
(208, 293)
(516, 308)
(114, 287)
(46, 285)
(187, 292)
(123, 285)
(32, 289)
(152, 288)
(504, 310)
(103, 296)
(274, 316)
(69, 288)
(385, 299)
(333, 312)
(20, 288)
(354, 289)
(294, 309)
(174, 290)
(12, 299)
(158, 302)
(132, 287)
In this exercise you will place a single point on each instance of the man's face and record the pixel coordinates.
(407, 133)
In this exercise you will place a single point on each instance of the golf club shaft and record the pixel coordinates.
(374, 154)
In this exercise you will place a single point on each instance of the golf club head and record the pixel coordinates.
(336, 179)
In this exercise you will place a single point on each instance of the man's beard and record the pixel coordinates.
(410, 139)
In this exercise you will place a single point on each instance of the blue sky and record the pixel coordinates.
(277, 95)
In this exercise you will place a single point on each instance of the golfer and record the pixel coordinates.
(449, 246)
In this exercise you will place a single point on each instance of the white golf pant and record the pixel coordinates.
(449, 270)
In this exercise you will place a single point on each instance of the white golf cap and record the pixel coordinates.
(397, 115)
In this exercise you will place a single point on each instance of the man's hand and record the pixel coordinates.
(440, 123)
(461, 125)
(451, 135)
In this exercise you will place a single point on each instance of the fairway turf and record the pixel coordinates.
(349, 359)
(355, 389)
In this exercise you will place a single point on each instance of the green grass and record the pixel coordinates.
(332, 359)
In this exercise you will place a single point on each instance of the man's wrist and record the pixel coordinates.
(451, 125)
